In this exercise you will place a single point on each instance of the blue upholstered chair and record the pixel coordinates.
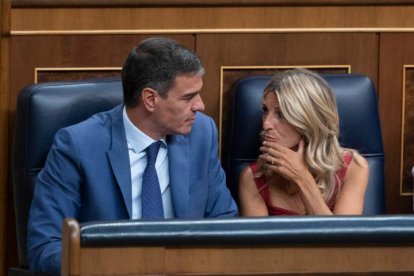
(42, 109)
(359, 129)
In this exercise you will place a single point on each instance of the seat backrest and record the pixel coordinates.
(359, 129)
(42, 109)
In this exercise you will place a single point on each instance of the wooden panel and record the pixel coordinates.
(395, 52)
(97, 3)
(6, 214)
(303, 49)
(407, 146)
(128, 261)
(70, 52)
(226, 259)
(275, 259)
(80, 73)
(245, 260)
(70, 262)
(209, 19)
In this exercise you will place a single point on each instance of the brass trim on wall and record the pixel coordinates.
(405, 67)
(224, 68)
(72, 69)
(211, 31)
(209, 3)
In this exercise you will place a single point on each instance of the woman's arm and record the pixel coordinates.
(251, 203)
(351, 198)
(291, 165)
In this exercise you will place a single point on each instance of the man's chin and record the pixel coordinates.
(184, 130)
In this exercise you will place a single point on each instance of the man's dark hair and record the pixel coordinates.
(155, 63)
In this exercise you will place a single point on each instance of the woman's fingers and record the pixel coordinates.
(274, 149)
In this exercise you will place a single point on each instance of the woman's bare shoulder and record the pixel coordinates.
(360, 160)
(246, 174)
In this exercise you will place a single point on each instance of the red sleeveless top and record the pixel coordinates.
(277, 211)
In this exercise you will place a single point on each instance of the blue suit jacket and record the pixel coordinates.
(87, 177)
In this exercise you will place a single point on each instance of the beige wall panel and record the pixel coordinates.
(210, 18)
(396, 50)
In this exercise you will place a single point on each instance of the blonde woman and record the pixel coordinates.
(302, 169)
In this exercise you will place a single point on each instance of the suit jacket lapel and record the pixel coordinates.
(119, 158)
(179, 173)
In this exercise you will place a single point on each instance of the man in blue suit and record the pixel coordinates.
(94, 170)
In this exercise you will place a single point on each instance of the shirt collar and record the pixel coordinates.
(137, 140)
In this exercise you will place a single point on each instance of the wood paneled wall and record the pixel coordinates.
(208, 19)
(397, 57)
(370, 37)
(4, 131)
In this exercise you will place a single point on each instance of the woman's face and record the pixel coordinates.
(276, 128)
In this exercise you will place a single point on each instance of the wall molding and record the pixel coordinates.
(204, 3)
(39, 70)
(211, 31)
(403, 118)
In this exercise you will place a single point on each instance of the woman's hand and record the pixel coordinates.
(291, 165)
(284, 161)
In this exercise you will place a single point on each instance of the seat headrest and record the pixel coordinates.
(48, 107)
(358, 122)
(355, 95)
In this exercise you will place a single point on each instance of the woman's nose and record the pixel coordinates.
(266, 122)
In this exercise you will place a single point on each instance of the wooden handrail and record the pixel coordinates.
(240, 246)
(71, 247)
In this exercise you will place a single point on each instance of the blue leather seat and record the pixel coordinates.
(41, 110)
(359, 129)
(44, 108)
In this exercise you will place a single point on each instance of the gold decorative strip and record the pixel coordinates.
(211, 31)
(346, 68)
(209, 3)
(37, 71)
(403, 129)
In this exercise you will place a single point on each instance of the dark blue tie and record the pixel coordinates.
(151, 192)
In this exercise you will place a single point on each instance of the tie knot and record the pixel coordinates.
(152, 152)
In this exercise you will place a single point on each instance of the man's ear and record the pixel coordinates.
(149, 98)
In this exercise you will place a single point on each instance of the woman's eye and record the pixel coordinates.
(279, 114)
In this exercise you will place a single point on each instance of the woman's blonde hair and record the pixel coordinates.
(308, 103)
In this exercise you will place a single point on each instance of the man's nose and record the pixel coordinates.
(198, 103)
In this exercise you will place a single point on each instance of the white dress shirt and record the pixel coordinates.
(137, 143)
